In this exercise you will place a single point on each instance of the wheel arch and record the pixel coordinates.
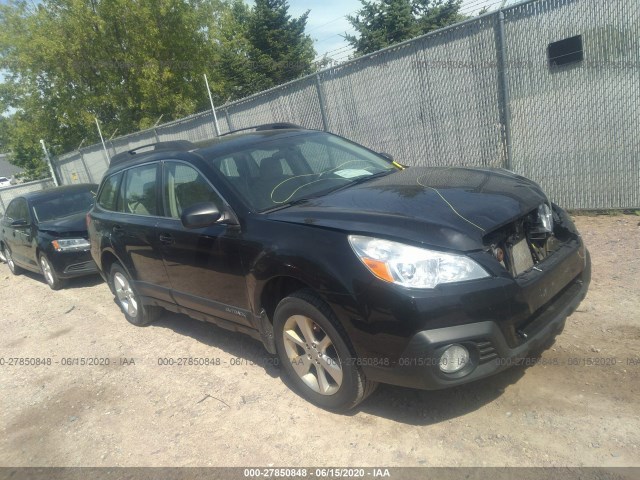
(107, 259)
(277, 288)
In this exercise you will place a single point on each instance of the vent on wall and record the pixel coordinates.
(564, 52)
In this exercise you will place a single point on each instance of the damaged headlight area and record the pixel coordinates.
(412, 266)
(526, 242)
(545, 218)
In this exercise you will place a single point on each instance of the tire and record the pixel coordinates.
(316, 353)
(128, 298)
(3, 259)
(50, 275)
(16, 270)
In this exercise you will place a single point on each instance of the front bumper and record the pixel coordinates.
(493, 347)
(72, 264)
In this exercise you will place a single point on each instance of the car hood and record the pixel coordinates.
(450, 208)
(73, 224)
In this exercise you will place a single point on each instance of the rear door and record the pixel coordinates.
(133, 230)
(203, 264)
(19, 238)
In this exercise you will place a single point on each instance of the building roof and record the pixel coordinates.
(7, 169)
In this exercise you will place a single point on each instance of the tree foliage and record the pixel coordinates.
(67, 62)
(381, 23)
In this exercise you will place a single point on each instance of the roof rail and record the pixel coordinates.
(266, 126)
(181, 145)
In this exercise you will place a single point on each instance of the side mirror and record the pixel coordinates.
(386, 155)
(21, 223)
(200, 215)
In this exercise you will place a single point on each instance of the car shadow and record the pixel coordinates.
(69, 284)
(402, 405)
(420, 407)
(244, 349)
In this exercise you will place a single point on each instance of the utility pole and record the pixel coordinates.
(104, 146)
(46, 155)
(213, 109)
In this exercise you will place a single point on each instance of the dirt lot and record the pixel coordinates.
(240, 413)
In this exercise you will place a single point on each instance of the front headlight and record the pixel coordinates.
(411, 266)
(545, 214)
(71, 245)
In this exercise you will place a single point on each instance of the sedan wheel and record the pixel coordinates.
(16, 270)
(50, 274)
(2, 257)
(316, 353)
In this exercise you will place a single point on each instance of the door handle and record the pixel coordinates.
(165, 239)
(117, 229)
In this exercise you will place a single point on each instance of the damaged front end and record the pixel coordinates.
(525, 243)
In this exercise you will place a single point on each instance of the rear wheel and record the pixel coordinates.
(50, 275)
(16, 270)
(129, 300)
(2, 257)
(316, 353)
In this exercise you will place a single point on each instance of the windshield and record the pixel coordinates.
(63, 206)
(283, 170)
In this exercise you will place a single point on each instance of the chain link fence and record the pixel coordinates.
(479, 93)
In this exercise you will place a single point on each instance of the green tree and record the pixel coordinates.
(381, 23)
(279, 49)
(67, 62)
(124, 62)
(236, 64)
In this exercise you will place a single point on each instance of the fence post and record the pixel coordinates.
(86, 169)
(323, 113)
(228, 117)
(112, 148)
(503, 90)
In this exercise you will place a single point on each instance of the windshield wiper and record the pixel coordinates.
(355, 181)
(287, 204)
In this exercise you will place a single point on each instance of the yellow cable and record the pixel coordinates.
(450, 206)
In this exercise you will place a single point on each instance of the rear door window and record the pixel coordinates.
(139, 195)
(109, 195)
(15, 209)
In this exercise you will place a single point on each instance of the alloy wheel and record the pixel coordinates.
(10, 262)
(125, 294)
(312, 354)
(46, 270)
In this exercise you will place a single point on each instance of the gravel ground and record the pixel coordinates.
(578, 406)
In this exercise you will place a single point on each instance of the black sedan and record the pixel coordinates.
(46, 232)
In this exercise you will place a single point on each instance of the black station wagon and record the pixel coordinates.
(350, 267)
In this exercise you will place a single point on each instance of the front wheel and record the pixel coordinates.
(50, 275)
(129, 300)
(315, 353)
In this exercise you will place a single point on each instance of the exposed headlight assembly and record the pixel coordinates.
(71, 245)
(545, 216)
(412, 266)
